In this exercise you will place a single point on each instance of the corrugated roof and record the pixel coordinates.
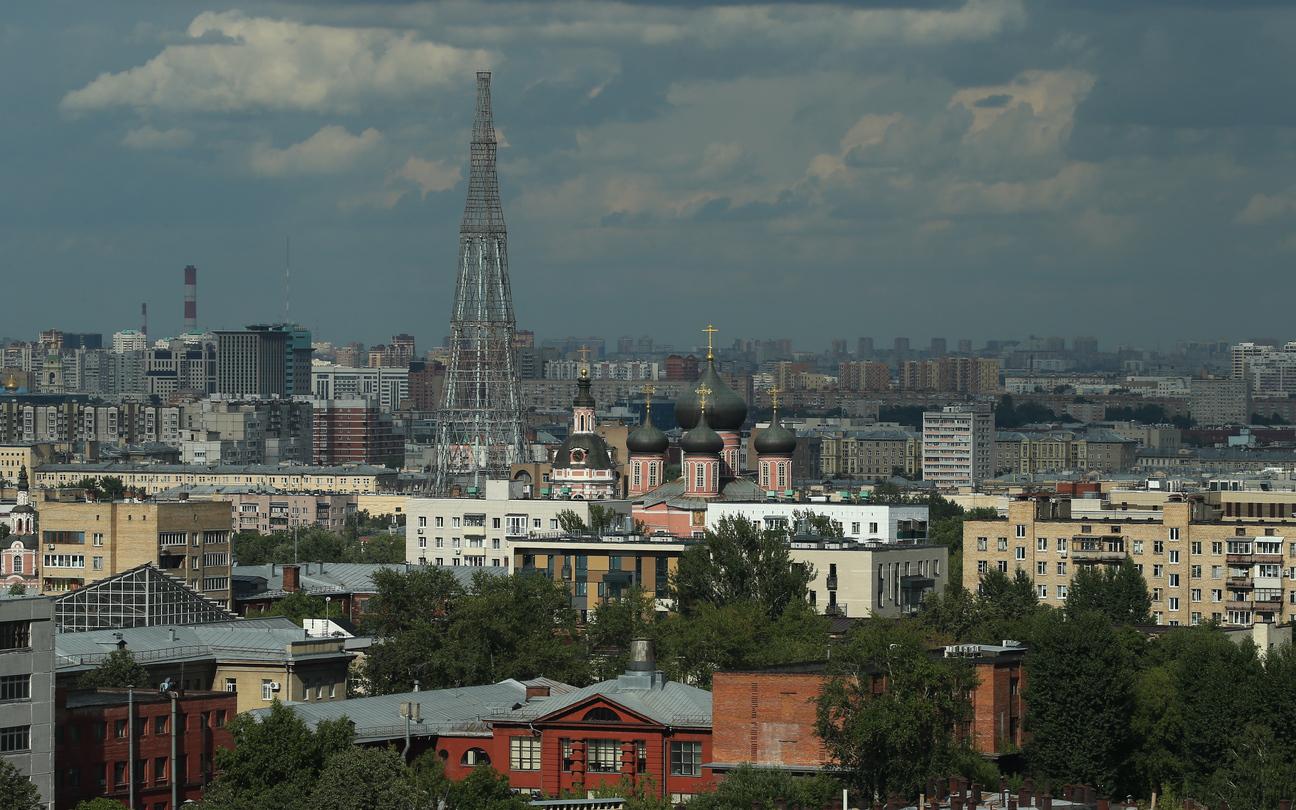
(260, 581)
(463, 710)
(667, 702)
(252, 640)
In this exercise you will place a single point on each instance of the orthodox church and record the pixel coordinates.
(712, 417)
(18, 548)
(582, 466)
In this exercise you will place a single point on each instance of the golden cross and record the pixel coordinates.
(648, 391)
(774, 395)
(703, 391)
(710, 332)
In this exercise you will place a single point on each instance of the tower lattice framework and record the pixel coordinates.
(479, 427)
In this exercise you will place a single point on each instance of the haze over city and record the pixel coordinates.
(998, 167)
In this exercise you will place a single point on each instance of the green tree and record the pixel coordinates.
(572, 523)
(17, 589)
(738, 563)
(114, 489)
(365, 779)
(810, 522)
(428, 778)
(275, 762)
(298, 606)
(17, 791)
(1255, 773)
(403, 599)
(613, 625)
(1079, 696)
(748, 787)
(382, 548)
(484, 789)
(738, 635)
(893, 741)
(1120, 593)
(639, 794)
(118, 670)
(602, 518)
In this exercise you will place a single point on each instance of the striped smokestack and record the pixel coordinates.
(191, 299)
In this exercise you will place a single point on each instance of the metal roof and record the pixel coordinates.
(667, 702)
(261, 581)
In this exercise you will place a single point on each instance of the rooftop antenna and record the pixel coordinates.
(287, 279)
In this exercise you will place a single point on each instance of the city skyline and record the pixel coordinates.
(959, 164)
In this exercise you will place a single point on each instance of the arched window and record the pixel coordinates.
(601, 714)
(474, 757)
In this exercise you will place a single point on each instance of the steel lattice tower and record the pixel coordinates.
(479, 427)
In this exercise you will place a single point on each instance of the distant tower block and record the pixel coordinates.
(191, 299)
(479, 427)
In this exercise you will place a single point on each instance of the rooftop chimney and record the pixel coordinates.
(641, 655)
(292, 578)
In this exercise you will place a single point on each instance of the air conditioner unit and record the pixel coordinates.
(458, 551)
(274, 687)
(49, 546)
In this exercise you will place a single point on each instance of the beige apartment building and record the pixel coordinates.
(83, 542)
(879, 453)
(1198, 565)
(154, 478)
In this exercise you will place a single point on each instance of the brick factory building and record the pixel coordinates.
(174, 745)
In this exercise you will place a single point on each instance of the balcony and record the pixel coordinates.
(1267, 559)
(1238, 604)
(1240, 583)
(1240, 559)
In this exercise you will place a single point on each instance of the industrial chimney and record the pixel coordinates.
(191, 299)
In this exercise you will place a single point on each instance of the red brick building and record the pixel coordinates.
(767, 717)
(92, 745)
(354, 431)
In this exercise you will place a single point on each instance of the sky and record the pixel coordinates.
(978, 169)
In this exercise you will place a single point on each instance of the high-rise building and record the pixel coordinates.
(129, 340)
(1220, 402)
(355, 431)
(937, 348)
(864, 348)
(479, 426)
(958, 445)
(264, 361)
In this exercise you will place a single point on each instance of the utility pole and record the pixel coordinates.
(130, 747)
(175, 745)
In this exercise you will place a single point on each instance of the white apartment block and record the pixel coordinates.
(1271, 370)
(958, 446)
(387, 385)
(858, 521)
(480, 531)
(871, 579)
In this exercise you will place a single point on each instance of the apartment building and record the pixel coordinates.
(871, 579)
(871, 454)
(596, 569)
(1096, 449)
(1198, 566)
(259, 510)
(154, 478)
(858, 521)
(958, 445)
(1220, 402)
(27, 688)
(385, 385)
(355, 431)
(221, 431)
(484, 531)
(83, 542)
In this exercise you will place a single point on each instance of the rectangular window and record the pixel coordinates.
(1041, 568)
(1021, 552)
(1041, 544)
(15, 738)
(267, 690)
(686, 759)
(159, 770)
(15, 635)
(160, 724)
(15, 687)
(1061, 569)
(524, 753)
(1021, 530)
(1174, 534)
(603, 756)
(1174, 557)
(1002, 544)
(119, 729)
(231, 685)
(982, 544)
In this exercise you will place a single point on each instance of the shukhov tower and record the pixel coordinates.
(479, 427)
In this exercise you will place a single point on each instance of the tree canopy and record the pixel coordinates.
(1120, 593)
(316, 544)
(738, 562)
(118, 670)
(17, 791)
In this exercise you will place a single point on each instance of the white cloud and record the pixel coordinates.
(429, 175)
(1262, 208)
(235, 62)
(147, 137)
(328, 151)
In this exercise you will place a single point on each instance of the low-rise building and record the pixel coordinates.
(871, 579)
(27, 688)
(857, 521)
(266, 511)
(258, 660)
(871, 454)
(599, 568)
(173, 745)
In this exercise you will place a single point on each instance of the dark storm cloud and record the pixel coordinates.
(988, 166)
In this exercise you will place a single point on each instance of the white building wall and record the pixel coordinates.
(858, 521)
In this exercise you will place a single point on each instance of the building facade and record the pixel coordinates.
(388, 386)
(83, 542)
(1198, 567)
(151, 479)
(857, 521)
(173, 745)
(27, 689)
(958, 446)
(355, 431)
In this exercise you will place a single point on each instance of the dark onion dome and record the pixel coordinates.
(775, 440)
(725, 409)
(585, 451)
(647, 440)
(702, 440)
(584, 399)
